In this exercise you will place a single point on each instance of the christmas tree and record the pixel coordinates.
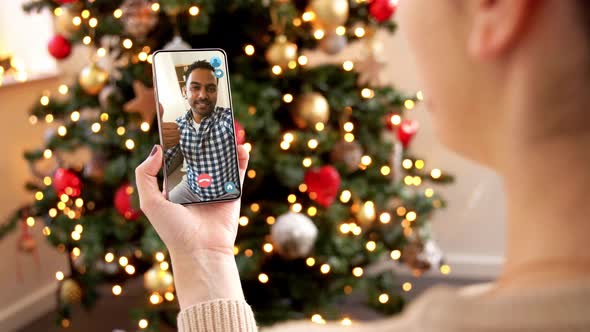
(332, 187)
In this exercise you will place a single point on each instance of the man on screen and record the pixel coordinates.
(204, 138)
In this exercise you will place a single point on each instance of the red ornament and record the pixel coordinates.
(382, 10)
(66, 182)
(63, 2)
(123, 202)
(59, 47)
(240, 133)
(406, 131)
(323, 184)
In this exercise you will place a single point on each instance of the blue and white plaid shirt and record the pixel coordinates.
(209, 149)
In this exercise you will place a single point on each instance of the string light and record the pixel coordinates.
(75, 236)
(78, 228)
(319, 126)
(236, 250)
(127, 43)
(325, 268)
(155, 298)
(419, 164)
(277, 70)
(104, 117)
(297, 21)
(270, 220)
(255, 207)
(249, 49)
(267, 247)
(47, 153)
(46, 231)
(429, 192)
(118, 13)
(287, 98)
(58, 11)
(62, 131)
(117, 290)
(251, 173)
(348, 126)
(95, 127)
(312, 143)
(33, 119)
(349, 137)
(345, 196)
(77, 20)
(109, 257)
(85, 13)
(292, 64)
(344, 228)
(121, 131)
(52, 212)
(400, 211)
(86, 40)
(145, 127)
(49, 118)
(129, 144)
(385, 170)
(407, 286)
(359, 32)
(409, 104)
(296, 207)
(435, 173)
(288, 137)
(348, 65)
(366, 160)
(143, 323)
(357, 272)
(160, 256)
(407, 163)
(130, 269)
(319, 34)
(385, 218)
(38, 195)
(142, 56)
(395, 119)
(243, 221)
(61, 205)
(248, 147)
(302, 187)
(310, 261)
(445, 269)
(308, 16)
(47, 180)
(59, 275)
(123, 261)
(285, 145)
(44, 100)
(194, 10)
(312, 211)
(164, 266)
(263, 278)
(417, 180)
(408, 180)
(169, 296)
(341, 31)
(346, 321)
(371, 246)
(93, 22)
(75, 116)
(302, 60)
(65, 323)
(291, 198)
(30, 221)
(419, 95)
(367, 93)
(383, 298)
(155, 6)
(317, 319)
(395, 254)
(63, 89)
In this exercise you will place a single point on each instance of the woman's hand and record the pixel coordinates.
(200, 238)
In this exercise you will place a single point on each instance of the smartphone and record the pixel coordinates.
(196, 126)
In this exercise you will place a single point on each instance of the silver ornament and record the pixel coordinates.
(332, 43)
(294, 235)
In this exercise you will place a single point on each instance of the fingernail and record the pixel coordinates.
(154, 149)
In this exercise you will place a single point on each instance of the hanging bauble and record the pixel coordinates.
(138, 17)
(95, 167)
(406, 131)
(123, 202)
(64, 23)
(421, 256)
(59, 47)
(107, 95)
(294, 235)
(348, 153)
(92, 79)
(381, 10)
(329, 14)
(322, 184)
(177, 43)
(70, 292)
(66, 182)
(309, 109)
(240, 132)
(365, 213)
(158, 280)
(281, 52)
(332, 43)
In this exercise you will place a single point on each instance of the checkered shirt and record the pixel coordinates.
(209, 149)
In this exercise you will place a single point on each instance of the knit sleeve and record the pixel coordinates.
(223, 315)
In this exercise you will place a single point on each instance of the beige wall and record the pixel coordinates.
(470, 231)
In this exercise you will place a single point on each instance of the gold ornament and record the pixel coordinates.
(92, 78)
(70, 292)
(310, 109)
(144, 102)
(281, 52)
(329, 14)
(64, 23)
(158, 280)
(365, 213)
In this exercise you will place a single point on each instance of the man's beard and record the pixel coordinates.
(203, 107)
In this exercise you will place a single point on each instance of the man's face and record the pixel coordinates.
(201, 91)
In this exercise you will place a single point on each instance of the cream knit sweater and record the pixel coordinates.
(564, 307)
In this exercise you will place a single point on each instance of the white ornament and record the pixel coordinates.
(177, 43)
(294, 235)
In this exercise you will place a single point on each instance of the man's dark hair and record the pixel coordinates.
(201, 64)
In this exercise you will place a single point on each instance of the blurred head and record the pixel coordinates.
(201, 87)
(501, 74)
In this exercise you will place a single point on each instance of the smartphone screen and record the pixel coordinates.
(196, 125)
